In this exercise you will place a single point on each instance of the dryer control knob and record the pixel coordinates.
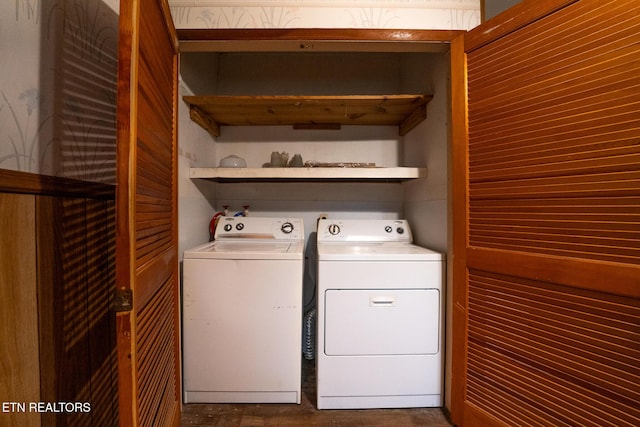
(334, 229)
(287, 228)
(239, 226)
(400, 230)
(227, 227)
(388, 229)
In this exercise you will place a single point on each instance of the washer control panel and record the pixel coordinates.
(364, 230)
(232, 227)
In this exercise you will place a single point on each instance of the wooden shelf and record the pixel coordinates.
(404, 111)
(308, 174)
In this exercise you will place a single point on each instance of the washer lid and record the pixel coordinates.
(376, 251)
(247, 249)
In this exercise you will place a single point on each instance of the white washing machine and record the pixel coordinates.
(380, 317)
(242, 313)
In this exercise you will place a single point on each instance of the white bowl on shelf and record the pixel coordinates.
(233, 161)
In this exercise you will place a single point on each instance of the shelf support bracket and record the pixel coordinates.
(416, 117)
(204, 120)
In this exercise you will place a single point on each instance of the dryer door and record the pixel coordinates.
(381, 321)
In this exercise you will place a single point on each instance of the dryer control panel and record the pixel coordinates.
(367, 230)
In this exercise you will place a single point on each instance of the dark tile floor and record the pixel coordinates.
(306, 414)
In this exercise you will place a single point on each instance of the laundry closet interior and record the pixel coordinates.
(392, 166)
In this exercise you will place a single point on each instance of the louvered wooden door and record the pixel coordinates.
(546, 304)
(146, 258)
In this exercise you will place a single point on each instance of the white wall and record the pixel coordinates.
(196, 148)
(425, 199)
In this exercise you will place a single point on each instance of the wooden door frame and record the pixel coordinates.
(459, 171)
(274, 36)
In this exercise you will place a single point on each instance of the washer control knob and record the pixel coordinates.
(334, 229)
(400, 230)
(239, 226)
(287, 228)
(388, 229)
(228, 227)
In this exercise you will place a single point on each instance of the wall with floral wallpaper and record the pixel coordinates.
(58, 86)
(387, 14)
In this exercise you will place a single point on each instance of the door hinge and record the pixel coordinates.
(123, 300)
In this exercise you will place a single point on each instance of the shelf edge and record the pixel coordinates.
(391, 173)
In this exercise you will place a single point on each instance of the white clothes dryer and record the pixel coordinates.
(380, 317)
(242, 313)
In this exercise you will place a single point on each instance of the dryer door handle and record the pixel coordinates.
(382, 301)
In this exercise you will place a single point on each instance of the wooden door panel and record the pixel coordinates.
(545, 345)
(547, 224)
(147, 214)
(570, 162)
(19, 316)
